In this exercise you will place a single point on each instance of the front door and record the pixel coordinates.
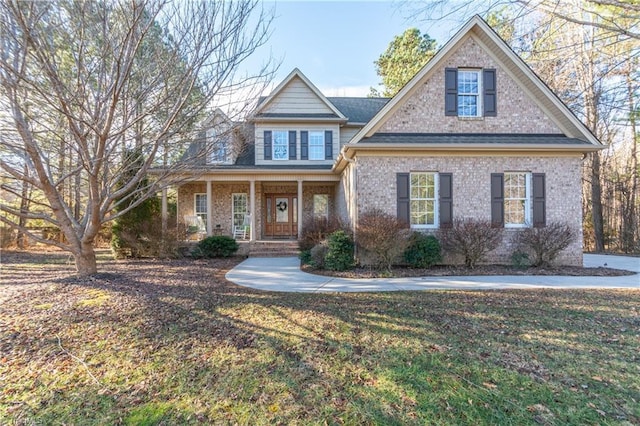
(281, 216)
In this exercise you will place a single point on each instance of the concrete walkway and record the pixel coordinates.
(284, 274)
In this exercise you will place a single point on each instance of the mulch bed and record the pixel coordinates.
(444, 271)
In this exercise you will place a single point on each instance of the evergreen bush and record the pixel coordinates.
(424, 251)
(216, 246)
(339, 255)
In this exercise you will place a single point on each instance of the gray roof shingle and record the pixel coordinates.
(469, 138)
(358, 110)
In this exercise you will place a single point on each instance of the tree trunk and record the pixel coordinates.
(596, 203)
(86, 260)
(24, 209)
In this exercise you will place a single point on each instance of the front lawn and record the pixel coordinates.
(172, 342)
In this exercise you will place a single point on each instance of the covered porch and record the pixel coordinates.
(265, 206)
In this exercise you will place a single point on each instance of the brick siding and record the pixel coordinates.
(471, 189)
(423, 112)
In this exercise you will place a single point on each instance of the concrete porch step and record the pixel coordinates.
(274, 248)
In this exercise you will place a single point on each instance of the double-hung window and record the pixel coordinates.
(216, 149)
(280, 145)
(316, 145)
(200, 206)
(469, 90)
(517, 199)
(239, 208)
(424, 200)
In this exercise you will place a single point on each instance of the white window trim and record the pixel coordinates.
(246, 212)
(322, 146)
(528, 206)
(195, 205)
(480, 107)
(273, 145)
(436, 206)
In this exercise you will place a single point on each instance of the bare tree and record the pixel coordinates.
(619, 17)
(83, 82)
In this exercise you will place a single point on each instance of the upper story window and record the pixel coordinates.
(280, 145)
(469, 89)
(287, 144)
(316, 146)
(470, 92)
(217, 148)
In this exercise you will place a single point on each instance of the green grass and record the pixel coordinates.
(174, 343)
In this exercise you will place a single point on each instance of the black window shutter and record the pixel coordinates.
(489, 86)
(304, 145)
(451, 91)
(328, 145)
(403, 200)
(446, 200)
(497, 199)
(292, 145)
(267, 144)
(539, 203)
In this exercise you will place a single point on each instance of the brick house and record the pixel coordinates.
(475, 134)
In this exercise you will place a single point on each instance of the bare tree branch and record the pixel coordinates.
(85, 82)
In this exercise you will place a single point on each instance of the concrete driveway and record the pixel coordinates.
(284, 274)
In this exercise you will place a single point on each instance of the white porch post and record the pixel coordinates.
(300, 208)
(209, 209)
(252, 204)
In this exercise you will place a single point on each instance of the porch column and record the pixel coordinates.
(300, 208)
(209, 209)
(165, 211)
(252, 204)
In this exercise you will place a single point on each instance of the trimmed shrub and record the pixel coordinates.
(339, 255)
(382, 237)
(216, 246)
(544, 244)
(424, 251)
(520, 260)
(316, 231)
(471, 238)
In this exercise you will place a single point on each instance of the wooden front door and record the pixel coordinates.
(281, 216)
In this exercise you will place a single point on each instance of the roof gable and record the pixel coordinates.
(479, 31)
(296, 96)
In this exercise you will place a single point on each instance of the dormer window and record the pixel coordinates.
(217, 148)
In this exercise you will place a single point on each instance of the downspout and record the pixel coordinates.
(354, 224)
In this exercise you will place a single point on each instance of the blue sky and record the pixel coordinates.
(335, 43)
